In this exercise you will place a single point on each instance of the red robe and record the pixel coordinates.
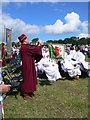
(3, 56)
(28, 55)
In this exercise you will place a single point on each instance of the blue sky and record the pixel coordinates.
(46, 21)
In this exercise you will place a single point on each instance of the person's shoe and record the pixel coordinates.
(63, 78)
(26, 96)
(76, 79)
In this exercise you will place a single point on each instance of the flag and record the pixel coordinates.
(51, 51)
(56, 51)
(8, 39)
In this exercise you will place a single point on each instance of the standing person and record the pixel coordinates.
(14, 51)
(3, 55)
(28, 55)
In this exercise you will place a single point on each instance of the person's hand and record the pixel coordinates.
(4, 88)
(0, 62)
(39, 43)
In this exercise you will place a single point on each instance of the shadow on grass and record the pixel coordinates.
(43, 79)
(44, 82)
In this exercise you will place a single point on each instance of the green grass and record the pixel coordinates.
(87, 58)
(60, 99)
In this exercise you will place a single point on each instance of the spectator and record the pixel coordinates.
(3, 55)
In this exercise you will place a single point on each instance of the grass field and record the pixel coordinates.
(60, 99)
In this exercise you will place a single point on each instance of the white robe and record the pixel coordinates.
(49, 67)
(70, 66)
(80, 58)
(72, 53)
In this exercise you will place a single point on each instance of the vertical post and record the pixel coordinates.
(11, 40)
(4, 34)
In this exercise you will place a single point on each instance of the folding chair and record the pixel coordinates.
(14, 85)
(14, 62)
(10, 72)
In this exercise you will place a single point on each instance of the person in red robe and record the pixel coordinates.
(3, 55)
(28, 56)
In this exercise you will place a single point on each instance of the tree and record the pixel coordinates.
(50, 41)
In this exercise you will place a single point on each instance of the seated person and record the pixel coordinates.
(49, 67)
(80, 59)
(71, 67)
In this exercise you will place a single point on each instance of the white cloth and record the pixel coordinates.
(80, 58)
(13, 50)
(50, 68)
(72, 53)
(45, 53)
(70, 66)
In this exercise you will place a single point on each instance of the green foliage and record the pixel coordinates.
(73, 40)
(84, 41)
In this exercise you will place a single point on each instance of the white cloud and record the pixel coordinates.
(57, 28)
(84, 26)
(85, 35)
(84, 30)
(89, 35)
(18, 27)
(71, 25)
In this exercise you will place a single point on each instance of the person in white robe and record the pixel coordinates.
(72, 52)
(71, 67)
(80, 58)
(50, 67)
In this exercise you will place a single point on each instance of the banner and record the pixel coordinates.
(56, 51)
(8, 40)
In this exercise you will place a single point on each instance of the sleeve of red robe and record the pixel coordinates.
(36, 51)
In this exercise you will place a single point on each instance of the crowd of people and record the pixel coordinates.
(73, 63)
